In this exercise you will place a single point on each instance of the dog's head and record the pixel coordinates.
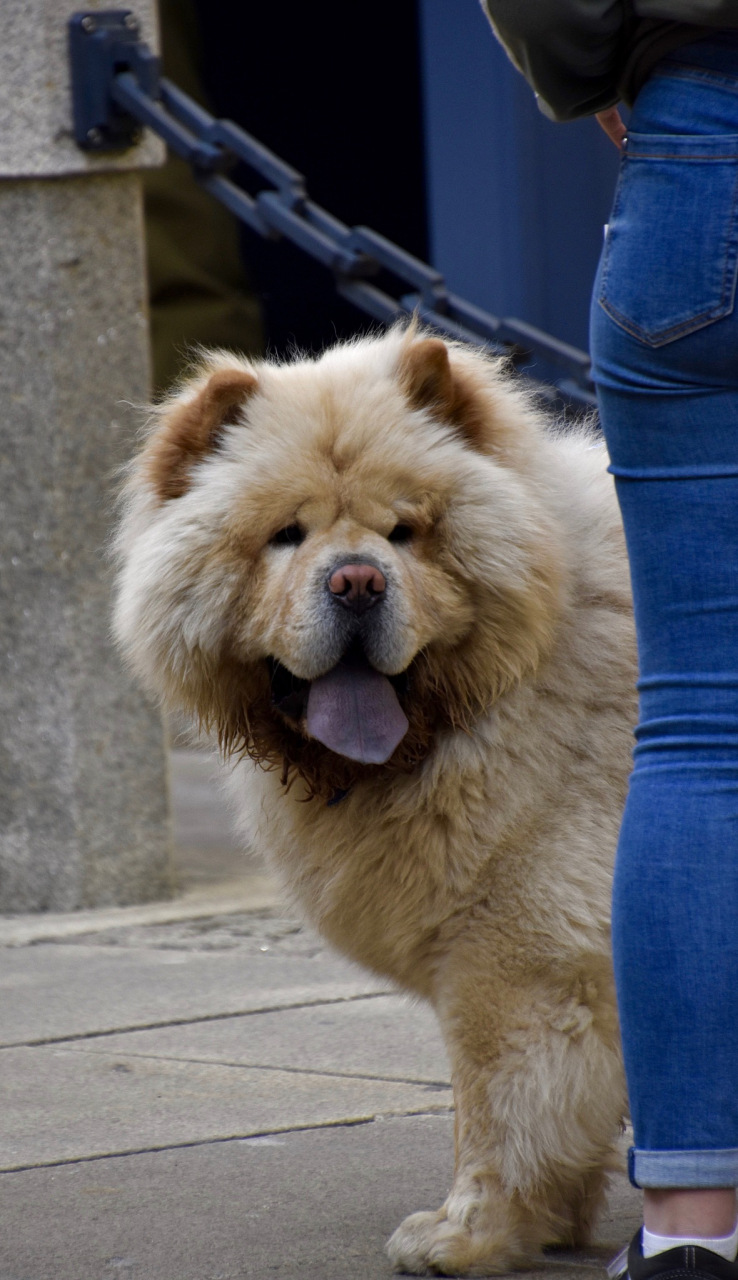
(332, 561)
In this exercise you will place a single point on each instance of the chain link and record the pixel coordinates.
(369, 271)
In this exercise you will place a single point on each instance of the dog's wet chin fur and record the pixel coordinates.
(382, 577)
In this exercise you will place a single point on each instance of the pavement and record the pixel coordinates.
(200, 1090)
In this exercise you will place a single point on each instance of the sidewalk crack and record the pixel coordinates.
(271, 1066)
(232, 1137)
(161, 1024)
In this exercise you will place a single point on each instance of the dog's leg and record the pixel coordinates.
(539, 1096)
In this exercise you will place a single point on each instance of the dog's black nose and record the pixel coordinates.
(357, 586)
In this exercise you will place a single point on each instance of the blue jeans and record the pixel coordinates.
(665, 350)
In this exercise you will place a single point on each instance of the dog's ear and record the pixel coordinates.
(190, 430)
(431, 382)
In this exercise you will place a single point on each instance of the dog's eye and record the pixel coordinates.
(400, 533)
(291, 536)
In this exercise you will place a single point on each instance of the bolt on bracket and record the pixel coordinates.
(102, 45)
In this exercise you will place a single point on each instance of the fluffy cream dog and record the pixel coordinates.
(380, 575)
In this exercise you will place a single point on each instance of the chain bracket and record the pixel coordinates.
(102, 46)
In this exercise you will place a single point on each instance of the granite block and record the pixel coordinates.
(84, 817)
(37, 138)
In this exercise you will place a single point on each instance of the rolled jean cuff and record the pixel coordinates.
(692, 471)
(683, 1169)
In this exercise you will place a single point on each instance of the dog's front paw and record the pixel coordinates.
(464, 1238)
(410, 1246)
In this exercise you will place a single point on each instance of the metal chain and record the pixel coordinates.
(117, 87)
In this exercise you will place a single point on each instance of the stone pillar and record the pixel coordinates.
(84, 811)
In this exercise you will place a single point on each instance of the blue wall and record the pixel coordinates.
(516, 204)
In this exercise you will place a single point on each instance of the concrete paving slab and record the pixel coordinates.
(53, 991)
(388, 1038)
(315, 1205)
(62, 1104)
(244, 987)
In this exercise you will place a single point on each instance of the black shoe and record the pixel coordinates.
(686, 1262)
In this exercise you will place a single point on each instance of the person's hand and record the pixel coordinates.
(610, 121)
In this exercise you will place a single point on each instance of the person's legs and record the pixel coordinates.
(665, 350)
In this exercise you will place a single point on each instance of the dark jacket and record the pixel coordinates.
(581, 56)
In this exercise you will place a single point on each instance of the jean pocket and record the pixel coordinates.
(671, 250)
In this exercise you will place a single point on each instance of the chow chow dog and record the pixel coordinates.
(384, 578)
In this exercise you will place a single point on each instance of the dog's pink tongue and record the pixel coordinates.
(354, 711)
